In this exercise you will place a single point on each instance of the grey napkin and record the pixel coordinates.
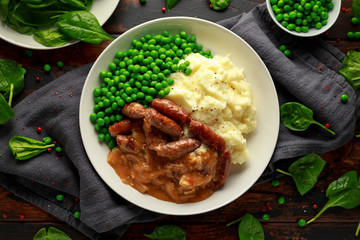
(104, 214)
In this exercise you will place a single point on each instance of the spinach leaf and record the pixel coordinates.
(343, 192)
(171, 3)
(14, 24)
(10, 73)
(4, 9)
(305, 172)
(351, 69)
(41, 4)
(219, 5)
(298, 117)
(83, 26)
(167, 232)
(52, 233)
(36, 17)
(24, 148)
(51, 37)
(249, 228)
(77, 4)
(6, 112)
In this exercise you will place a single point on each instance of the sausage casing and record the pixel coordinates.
(122, 127)
(133, 110)
(163, 123)
(178, 148)
(204, 133)
(171, 110)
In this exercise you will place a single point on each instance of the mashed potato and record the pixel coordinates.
(218, 94)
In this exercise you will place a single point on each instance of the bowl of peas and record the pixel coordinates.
(304, 18)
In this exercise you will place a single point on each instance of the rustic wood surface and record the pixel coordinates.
(21, 220)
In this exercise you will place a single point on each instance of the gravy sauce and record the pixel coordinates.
(181, 180)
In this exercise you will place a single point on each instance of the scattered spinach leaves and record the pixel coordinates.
(24, 148)
(298, 117)
(11, 84)
(249, 228)
(171, 3)
(351, 69)
(6, 112)
(51, 233)
(343, 192)
(167, 232)
(305, 172)
(83, 26)
(219, 5)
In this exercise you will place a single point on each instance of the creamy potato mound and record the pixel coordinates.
(218, 94)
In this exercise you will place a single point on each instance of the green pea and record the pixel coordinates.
(281, 200)
(47, 68)
(148, 98)
(354, 20)
(188, 71)
(48, 140)
(301, 222)
(58, 149)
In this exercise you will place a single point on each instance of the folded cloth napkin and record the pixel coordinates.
(309, 76)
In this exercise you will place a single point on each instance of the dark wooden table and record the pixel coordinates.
(21, 220)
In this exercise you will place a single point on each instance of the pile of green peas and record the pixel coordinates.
(140, 74)
(301, 15)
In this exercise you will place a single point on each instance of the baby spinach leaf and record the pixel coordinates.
(41, 4)
(51, 37)
(343, 192)
(4, 9)
(351, 69)
(77, 4)
(298, 117)
(83, 26)
(10, 73)
(171, 3)
(249, 228)
(6, 112)
(24, 148)
(14, 24)
(219, 5)
(167, 232)
(305, 172)
(52, 233)
(36, 17)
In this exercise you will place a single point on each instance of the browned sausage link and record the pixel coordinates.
(122, 127)
(178, 148)
(126, 143)
(204, 133)
(133, 110)
(223, 167)
(153, 136)
(171, 110)
(163, 123)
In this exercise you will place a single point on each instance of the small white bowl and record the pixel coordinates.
(333, 15)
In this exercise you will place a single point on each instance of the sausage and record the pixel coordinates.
(223, 167)
(122, 127)
(178, 148)
(153, 136)
(126, 143)
(205, 134)
(171, 110)
(163, 123)
(133, 110)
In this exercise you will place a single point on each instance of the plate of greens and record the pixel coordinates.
(51, 24)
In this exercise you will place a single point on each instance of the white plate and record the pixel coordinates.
(261, 142)
(102, 9)
(333, 15)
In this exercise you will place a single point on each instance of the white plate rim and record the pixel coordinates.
(154, 208)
